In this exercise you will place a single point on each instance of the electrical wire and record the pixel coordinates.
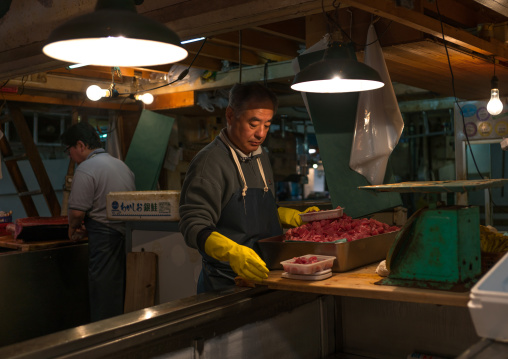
(123, 102)
(453, 89)
(458, 105)
(349, 36)
(179, 78)
(23, 82)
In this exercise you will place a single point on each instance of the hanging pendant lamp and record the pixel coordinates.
(114, 35)
(336, 74)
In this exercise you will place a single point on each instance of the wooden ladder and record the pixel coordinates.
(32, 154)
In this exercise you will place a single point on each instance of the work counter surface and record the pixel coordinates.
(9, 243)
(360, 283)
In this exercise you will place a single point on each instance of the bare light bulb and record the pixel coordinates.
(95, 93)
(147, 98)
(495, 106)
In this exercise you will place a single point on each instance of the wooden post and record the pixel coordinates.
(35, 160)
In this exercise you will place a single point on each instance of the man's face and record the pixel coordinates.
(78, 153)
(247, 129)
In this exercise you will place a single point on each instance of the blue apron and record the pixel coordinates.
(106, 270)
(244, 221)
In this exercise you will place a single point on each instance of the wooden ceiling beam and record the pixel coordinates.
(170, 101)
(223, 51)
(260, 41)
(194, 18)
(499, 6)
(201, 62)
(274, 71)
(20, 51)
(293, 29)
(97, 72)
(454, 13)
(102, 104)
(428, 25)
(58, 85)
(21, 54)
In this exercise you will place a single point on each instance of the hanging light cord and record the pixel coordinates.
(458, 105)
(337, 24)
(179, 78)
(453, 89)
(494, 81)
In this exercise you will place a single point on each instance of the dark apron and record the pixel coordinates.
(244, 224)
(106, 270)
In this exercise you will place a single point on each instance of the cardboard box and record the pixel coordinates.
(143, 205)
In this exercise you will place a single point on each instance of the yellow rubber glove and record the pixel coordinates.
(244, 261)
(290, 217)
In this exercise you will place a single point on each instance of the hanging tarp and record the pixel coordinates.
(148, 148)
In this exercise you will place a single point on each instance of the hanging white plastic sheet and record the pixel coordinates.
(379, 123)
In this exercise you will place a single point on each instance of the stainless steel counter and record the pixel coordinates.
(186, 325)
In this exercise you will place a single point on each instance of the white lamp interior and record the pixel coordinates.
(115, 51)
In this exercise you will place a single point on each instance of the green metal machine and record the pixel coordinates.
(439, 246)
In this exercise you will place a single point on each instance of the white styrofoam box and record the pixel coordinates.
(143, 205)
(488, 302)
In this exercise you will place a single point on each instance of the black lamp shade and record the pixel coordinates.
(114, 35)
(336, 73)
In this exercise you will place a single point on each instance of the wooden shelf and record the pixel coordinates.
(361, 283)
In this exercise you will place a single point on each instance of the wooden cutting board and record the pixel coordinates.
(141, 280)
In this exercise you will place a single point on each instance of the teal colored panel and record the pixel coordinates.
(334, 117)
(444, 246)
(431, 252)
(148, 148)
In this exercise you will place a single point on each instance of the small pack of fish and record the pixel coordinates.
(308, 264)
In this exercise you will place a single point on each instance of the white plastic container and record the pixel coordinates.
(320, 215)
(323, 262)
(488, 304)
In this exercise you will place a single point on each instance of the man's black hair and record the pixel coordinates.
(84, 132)
(241, 93)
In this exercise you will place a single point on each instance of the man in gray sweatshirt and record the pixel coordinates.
(227, 201)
